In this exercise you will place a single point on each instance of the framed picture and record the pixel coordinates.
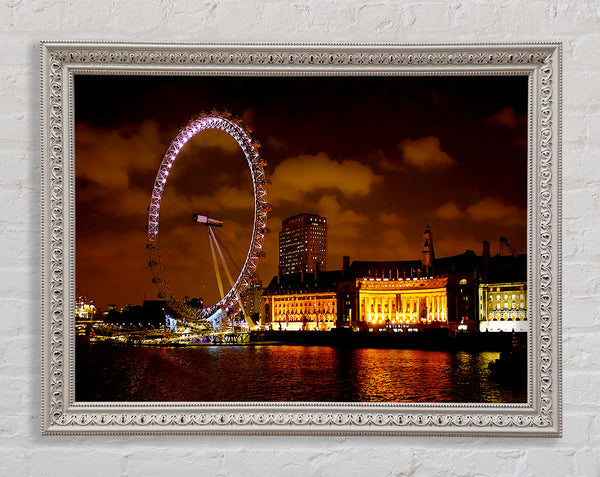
(301, 239)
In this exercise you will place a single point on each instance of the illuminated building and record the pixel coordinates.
(303, 244)
(503, 307)
(301, 301)
(385, 302)
(251, 298)
(503, 293)
(451, 292)
(407, 294)
(84, 309)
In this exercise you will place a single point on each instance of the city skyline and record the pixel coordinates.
(378, 156)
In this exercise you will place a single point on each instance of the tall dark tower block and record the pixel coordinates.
(303, 244)
(428, 252)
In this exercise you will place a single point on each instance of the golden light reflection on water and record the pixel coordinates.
(287, 374)
(417, 375)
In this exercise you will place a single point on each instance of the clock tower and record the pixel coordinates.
(428, 253)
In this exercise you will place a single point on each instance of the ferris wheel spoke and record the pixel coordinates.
(216, 265)
(251, 323)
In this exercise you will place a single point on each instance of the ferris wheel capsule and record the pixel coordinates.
(208, 221)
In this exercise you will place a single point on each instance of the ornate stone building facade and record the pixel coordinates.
(390, 303)
(451, 292)
(503, 307)
(302, 301)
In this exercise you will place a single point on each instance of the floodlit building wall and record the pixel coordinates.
(384, 302)
(302, 311)
(503, 307)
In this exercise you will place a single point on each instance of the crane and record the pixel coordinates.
(505, 241)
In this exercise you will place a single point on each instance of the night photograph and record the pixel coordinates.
(391, 267)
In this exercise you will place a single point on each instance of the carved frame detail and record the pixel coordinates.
(540, 416)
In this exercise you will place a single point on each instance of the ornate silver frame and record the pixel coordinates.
(61, 414)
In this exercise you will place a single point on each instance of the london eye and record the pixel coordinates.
(230, 302)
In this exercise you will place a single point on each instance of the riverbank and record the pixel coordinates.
(434, 340)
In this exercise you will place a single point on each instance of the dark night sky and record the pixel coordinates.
(377, 156)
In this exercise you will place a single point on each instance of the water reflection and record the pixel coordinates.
(286, 373)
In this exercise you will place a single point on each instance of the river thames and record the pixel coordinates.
(287, 373)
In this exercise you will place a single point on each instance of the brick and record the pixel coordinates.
(15, 461)
(18, 168)
(20, 399)
(580, 312)
(578, 351)
(22, 353)
(432, 16)
(581, 390)
(595, 426)
(331, 15)
(580, 97)
(143, 462)
(484, 15)
(11, 307)
(582, 169)
(587, 461)
(592, 130)
(89, 462)
(580, 202)
(379, 17)
(576, 428)
(549, 462)
(469, 462)
(580, 242)
(19, 205)
(86, 16)
(584, 276)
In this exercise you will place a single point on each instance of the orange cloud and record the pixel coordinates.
(225, 198)
(449, 211)
(344, 223)
(106, 157)
(425, 153)
(490, 209)
(297, 176)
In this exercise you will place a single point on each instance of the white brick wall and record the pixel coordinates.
(25, 22)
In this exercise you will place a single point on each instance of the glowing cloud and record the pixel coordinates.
(449, 211)
(343, 222)
(490, 209)
(227, 198)
(109, 156)
(425, 153)
(297, 176)
(345, 230)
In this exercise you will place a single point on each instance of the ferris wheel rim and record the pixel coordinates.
(240, 134)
